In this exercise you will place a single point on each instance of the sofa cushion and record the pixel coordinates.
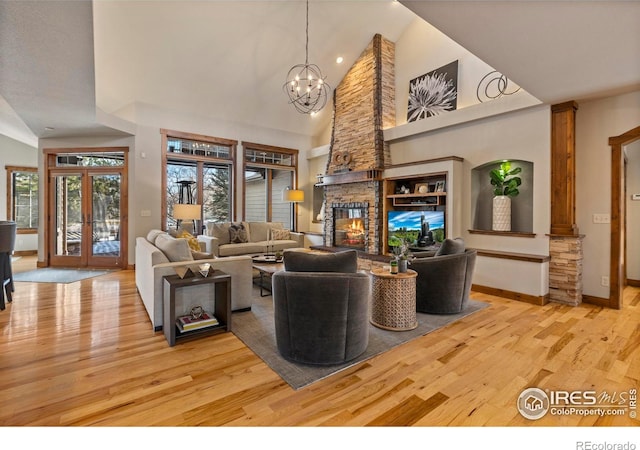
(201, 255)
(175, 249)
(219, 230)
(238, 234)
(153, 234)
(241, 249)
(191, 240)
(278, 234)
(451, 247)
(344, 262)
(261, 231)
(283, 244)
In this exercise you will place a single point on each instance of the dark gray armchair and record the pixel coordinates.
(444, 280)
(321, 307)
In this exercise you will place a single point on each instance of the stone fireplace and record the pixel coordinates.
(364, 104)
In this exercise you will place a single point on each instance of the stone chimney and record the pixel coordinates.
(364, 105)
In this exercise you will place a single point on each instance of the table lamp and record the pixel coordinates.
(186, 215)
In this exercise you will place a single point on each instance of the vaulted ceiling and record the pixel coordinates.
(64, 63)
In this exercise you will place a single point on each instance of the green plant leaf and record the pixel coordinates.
(511, 192)
(515, 171)
(497, 178)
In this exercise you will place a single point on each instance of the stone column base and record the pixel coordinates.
(565, 269)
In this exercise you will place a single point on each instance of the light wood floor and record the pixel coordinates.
(84, 354)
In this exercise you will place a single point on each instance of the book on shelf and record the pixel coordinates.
(188, 323)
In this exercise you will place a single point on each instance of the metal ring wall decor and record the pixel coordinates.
(493, 85)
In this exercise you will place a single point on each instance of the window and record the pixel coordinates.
(22, 190)
(198, 170)
(267, 172)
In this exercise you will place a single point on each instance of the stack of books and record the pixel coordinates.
(188, 323)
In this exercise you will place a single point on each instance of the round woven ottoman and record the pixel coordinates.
(393, 300)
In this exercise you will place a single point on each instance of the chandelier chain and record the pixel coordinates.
(306, 47)
(305, 86)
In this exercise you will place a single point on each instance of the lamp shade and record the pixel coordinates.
(186, 211)
(293, 195)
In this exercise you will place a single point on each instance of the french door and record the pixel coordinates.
(86, 217)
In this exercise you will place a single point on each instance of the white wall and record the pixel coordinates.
(15, 153)
(596, 122)
(317, 163)
(523, 134)
(150, 120)
(633, 211)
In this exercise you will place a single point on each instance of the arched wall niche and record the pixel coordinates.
(482, 197)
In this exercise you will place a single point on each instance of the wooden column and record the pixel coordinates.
(563, 169)
(565, 244)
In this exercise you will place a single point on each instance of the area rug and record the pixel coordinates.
(49, 275)
(256, 329)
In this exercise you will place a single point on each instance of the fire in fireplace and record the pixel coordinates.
(350, 227)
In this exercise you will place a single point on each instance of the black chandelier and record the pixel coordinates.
(305, 86)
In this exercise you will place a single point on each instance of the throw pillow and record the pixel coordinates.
(278, 234)
(238, 233)
(153, 234)
(219, 230)
(344, 262)
(451, 247)
(191, 239)
(175, 249)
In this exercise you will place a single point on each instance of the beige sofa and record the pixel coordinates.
(152, 264)
(259, 238)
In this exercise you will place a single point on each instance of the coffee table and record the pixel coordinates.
(265, 271)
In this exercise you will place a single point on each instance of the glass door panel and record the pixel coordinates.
(104, 219)
(216, 196)
(255, 195)
(87, 218)
(281, 211)
(181, 186)
(68, 217)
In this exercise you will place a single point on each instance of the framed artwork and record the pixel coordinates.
(433, 93)
(439, 186)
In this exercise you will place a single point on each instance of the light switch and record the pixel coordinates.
(145, 213)
(601, 218)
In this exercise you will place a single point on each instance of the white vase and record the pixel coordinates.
(501, 213)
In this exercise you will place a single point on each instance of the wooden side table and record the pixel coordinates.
(393, 300)
(222, 291)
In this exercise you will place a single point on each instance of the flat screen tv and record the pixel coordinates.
(419, 228)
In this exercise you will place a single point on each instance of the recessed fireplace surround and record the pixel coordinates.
(350, 225)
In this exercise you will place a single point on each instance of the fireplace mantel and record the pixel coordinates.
(351, 177)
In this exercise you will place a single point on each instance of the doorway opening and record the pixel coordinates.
(86, 207)
(618, 257)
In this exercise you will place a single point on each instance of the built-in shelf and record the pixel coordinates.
(351, 177)
(428, 199)
(505, 104)
(504, 233)
(514, 256)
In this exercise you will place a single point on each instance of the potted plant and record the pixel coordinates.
(505, 185)
(402, 255)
